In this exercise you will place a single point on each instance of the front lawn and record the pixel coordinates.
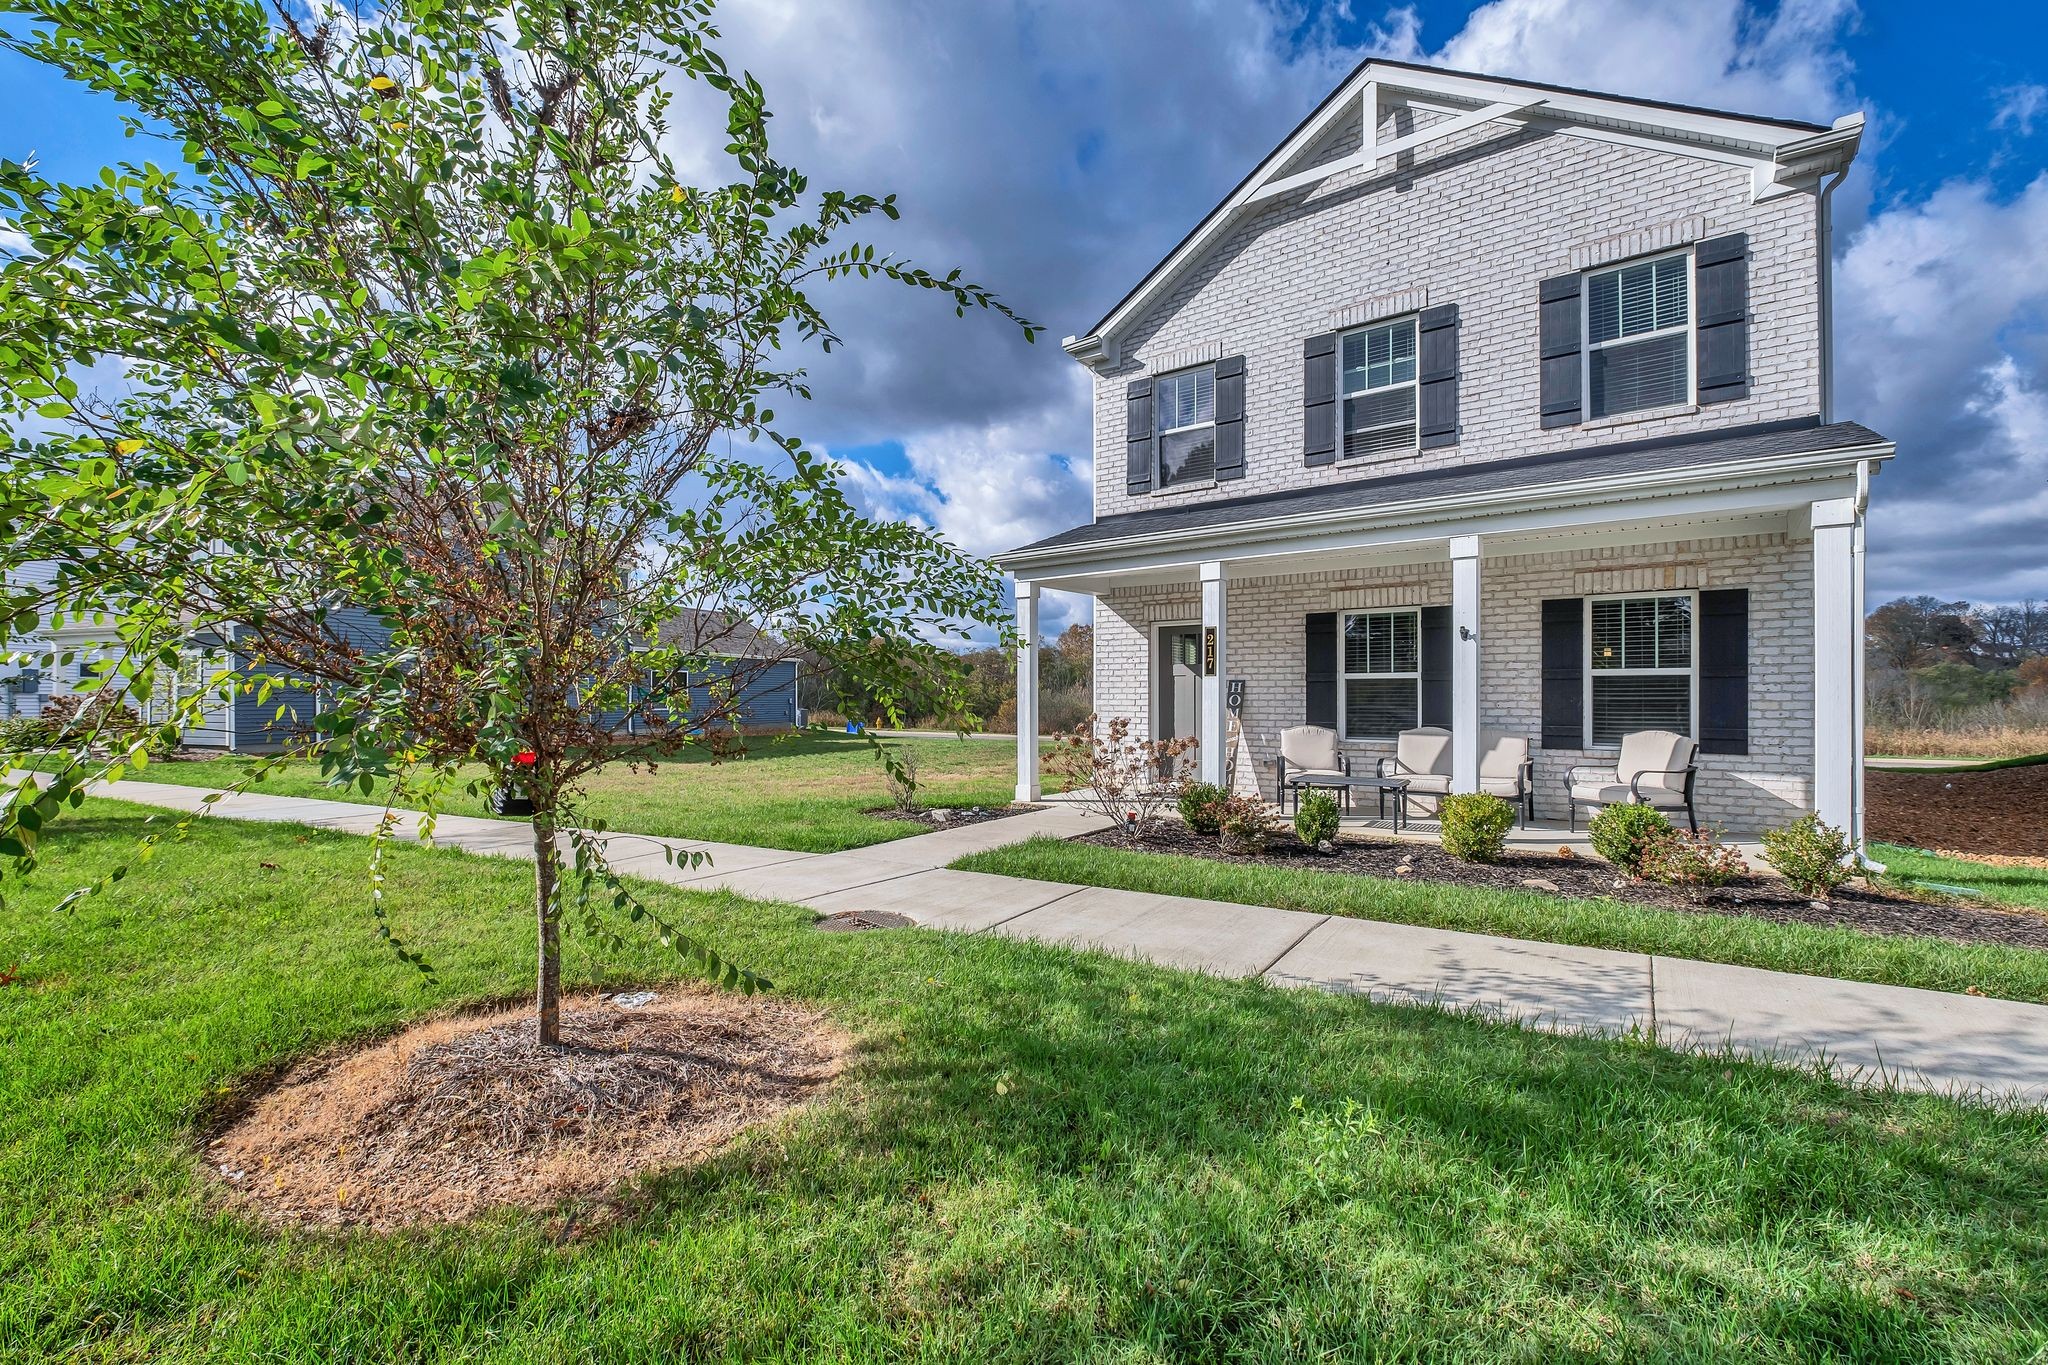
(1037, 1155)
(2006, 884)
(2016, 973)
(808, 791)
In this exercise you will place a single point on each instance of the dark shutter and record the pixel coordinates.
(1230, 418)
(1558, 348)
(1721, 277)
(1436, 666)
(1320, 637)
(1138, 436)
(1564, 673)
(1437, 376)
(1724, 671)
(1319, 400)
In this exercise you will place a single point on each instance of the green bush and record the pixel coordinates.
(1694, 861)
(26, 732)
(1315, 818)
(1201, 806)
(1475, 826)
(1245, 824)
(1811, 854)
(1625, 835)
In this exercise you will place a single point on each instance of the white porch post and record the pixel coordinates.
(1835, 671)
(1212, 729)
(1464, 663)
(1027, 691)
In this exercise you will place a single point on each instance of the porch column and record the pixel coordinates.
(1836, 645)
(1027, 691)
(1464, 663)
(1212, 725)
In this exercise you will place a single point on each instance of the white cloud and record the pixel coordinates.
(13, 241)
(2019, 106)
(1039, 147)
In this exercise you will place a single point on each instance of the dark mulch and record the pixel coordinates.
(948, 817)
(2001, 810)
(1856, 907)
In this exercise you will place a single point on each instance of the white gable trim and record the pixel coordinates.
(1782, 158)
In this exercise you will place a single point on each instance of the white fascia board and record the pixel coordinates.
(1735, 486)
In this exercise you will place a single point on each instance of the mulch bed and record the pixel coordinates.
(1579, 878)
(459, 1115)
(2002, 810)
(953, 816)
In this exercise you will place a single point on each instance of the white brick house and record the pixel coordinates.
(1496, 406)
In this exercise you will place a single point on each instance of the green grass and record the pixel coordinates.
(2026, 886)
(808, 792)
(1140, 1187)
(1966, 764)
(2015, 973)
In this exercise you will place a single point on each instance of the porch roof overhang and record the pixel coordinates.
(1711, 482)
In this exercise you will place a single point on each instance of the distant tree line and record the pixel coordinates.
(1066, 676)
(1943, 664)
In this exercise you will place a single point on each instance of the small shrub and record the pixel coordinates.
(1811, 854)
(1201, 806)
(23, 733)
(1245, 825)
(1694, 861)
(1475, 826)
(1315, 819)
(1129, 781)
(902, 778)
(1624, 835)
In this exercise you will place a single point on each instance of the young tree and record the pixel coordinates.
(430, 334)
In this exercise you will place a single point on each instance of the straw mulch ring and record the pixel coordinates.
(456, 1116)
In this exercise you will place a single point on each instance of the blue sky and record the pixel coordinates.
(1056, 148)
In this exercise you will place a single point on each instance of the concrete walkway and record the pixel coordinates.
(1917, 1039)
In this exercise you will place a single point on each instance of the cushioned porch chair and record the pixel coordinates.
(1308, 752)
(1506, 770)
(1655, 768)
(1422, 759)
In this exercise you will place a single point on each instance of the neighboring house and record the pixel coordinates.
(1488, 405)
(746, 678)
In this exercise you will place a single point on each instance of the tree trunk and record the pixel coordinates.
(546, 874)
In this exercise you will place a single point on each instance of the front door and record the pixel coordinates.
(1180, 681)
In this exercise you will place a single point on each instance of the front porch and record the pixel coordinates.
(1730, 616)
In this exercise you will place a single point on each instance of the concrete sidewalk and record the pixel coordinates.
(1917, 1039)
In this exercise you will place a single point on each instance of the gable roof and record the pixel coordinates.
(1783, 155)
(1768, 442)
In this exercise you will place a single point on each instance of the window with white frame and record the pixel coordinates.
(1639, 336)
(1377, 369)
(1382, 671)
(1185, 408)
(1641, 664)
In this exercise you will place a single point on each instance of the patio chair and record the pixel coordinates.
(1506, 770)
(1422, 758)
(1655, 768)
(1308, 752)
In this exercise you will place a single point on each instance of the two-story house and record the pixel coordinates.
(1492, 406)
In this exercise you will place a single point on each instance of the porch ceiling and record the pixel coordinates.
(1620, 533)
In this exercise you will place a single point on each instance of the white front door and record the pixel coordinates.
(1177, 682)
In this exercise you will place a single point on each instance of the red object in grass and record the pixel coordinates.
(526, 758)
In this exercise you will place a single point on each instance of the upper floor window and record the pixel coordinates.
(1378, 374)
(1642, 665)
(1382, 673)
(1185, 405)
(1639, 336)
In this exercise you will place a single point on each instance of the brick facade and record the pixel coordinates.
(1479, 220)
(1743, 793)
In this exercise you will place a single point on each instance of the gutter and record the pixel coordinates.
(1786, 469)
